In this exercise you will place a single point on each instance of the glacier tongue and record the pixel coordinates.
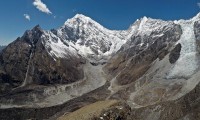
(187, 63)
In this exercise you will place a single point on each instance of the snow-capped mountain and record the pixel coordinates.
(149, 66)
(82, 35)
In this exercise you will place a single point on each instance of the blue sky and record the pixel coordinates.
(113, 14)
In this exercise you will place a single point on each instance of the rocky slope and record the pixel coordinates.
(25, 61)
(71, 58)
(153, 67)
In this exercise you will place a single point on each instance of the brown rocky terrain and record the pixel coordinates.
(26, 58)
(150, 71)
(133, 60)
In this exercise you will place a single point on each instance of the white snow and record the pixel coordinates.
(95, 31)
(88, 31)
(56, 48)
(187, 64)
(149, 25)
(143, 23)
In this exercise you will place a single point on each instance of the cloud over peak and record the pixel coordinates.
(41, 6)
(27, 17)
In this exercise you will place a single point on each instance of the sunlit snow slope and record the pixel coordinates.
(188, 61)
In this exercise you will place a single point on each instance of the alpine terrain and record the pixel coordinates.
(84, 71)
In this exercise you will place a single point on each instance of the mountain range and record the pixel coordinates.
(149, 71)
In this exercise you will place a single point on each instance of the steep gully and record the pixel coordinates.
(29, 64)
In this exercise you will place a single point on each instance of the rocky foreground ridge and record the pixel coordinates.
(150, 71)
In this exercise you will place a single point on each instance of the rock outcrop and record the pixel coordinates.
(175, 54)
(26, 61)
(136, 56)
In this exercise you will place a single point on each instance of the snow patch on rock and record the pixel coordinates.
(55, 47)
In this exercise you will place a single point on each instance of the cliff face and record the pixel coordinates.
(136, 55)
(26, 61)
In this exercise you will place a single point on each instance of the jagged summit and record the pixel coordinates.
(90, 38)
(37, 27)
(82, 20)
(85, 36)
(148, 26)
(197, 17)
(82, 17)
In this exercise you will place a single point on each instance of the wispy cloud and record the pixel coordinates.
(198, 4)
(27, 17)
(41, 6)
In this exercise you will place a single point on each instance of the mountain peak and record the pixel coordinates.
(145, 18)
(197, 17)
(37, 28)
(81, 16)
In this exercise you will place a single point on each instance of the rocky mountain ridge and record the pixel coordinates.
(154, 61)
